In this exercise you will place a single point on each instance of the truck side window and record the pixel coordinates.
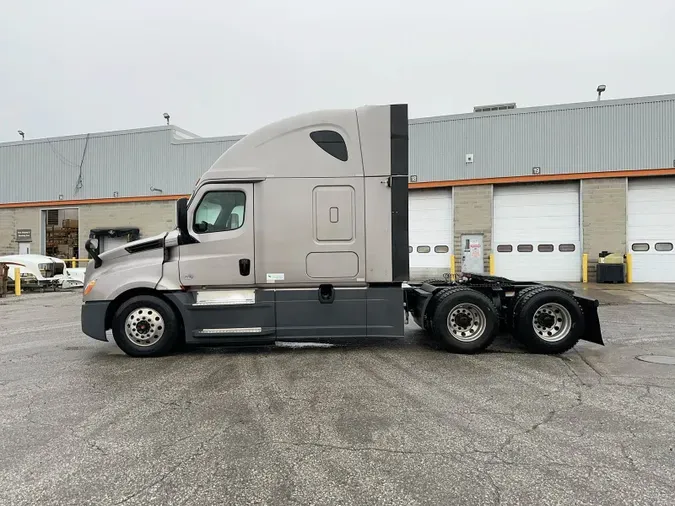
(220, 211)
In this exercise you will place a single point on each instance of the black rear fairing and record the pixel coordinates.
(398, 181)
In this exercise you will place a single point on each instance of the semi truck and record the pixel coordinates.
(299, 233)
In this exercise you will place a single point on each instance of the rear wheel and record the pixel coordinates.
(548, 320)
(145, 326)
(464, 320)
(517, 306)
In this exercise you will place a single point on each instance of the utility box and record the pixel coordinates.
(610, 268)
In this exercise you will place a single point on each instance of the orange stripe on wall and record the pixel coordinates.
(542, 178)
(116, 200)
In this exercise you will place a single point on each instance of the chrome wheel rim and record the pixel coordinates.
(466, 322)
(552, 322)
(144, 326)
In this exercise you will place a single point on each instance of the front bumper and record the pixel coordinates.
(92, 318)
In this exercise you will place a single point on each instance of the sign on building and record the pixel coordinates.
(23, 235)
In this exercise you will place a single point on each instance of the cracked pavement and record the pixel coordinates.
(392, 423)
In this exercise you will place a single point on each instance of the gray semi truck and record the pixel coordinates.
(299, 232)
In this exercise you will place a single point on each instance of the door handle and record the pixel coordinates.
(244, 266)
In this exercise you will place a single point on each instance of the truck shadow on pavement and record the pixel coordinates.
(414, 339)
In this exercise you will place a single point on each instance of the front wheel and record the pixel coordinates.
(145, 326)
(549, 320)
(465, 320)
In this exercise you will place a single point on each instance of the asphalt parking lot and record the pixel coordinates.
(392, 423)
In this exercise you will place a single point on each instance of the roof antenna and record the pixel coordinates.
(21, 134)
(166, 117)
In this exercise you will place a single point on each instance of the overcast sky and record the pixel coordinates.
(225, 67)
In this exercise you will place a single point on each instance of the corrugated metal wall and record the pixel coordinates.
(129, 163)
(596, 136)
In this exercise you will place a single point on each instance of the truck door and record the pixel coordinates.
(221, 218)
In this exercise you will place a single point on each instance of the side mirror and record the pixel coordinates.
(201, 227)
(182, 222)
(181, 216)
(92, 248)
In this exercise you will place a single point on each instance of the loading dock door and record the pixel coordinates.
(536, 232)
(651, 229)
(430, 232)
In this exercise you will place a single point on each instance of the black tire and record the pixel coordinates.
(559, 325)
(517, 305)
(429, 311)
(481, 305)
(152, 308)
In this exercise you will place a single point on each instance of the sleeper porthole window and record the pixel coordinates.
(331, 142)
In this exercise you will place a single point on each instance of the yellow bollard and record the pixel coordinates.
(73, 262)
(492, 265)
(584, 268)
(629, 268)
(452, 267)
(17, 281)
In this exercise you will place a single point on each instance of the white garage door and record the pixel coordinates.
(536, 232)
(430, 233)
(651, 229)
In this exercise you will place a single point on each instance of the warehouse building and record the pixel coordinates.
(534, 193)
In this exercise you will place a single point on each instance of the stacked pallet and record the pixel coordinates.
(62, 241)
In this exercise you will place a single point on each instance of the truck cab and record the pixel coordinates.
(298, 231)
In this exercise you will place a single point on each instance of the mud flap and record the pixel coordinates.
(593, 332)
